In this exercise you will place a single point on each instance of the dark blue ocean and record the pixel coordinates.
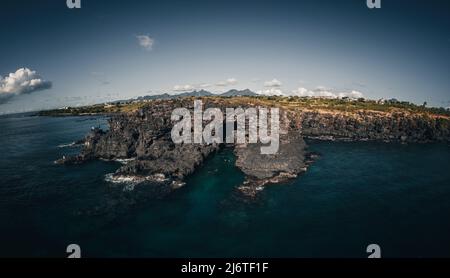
(355, 194)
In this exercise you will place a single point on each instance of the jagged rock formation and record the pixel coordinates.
(143, 138)
(287, 163)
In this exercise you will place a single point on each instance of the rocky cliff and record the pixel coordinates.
(370, 125)
(142, 138)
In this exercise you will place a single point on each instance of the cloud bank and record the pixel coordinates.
(327, 93)
(23, 81)
(271, 92)
(319, 92)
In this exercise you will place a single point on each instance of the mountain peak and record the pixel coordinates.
(234, 93)
(195, 93)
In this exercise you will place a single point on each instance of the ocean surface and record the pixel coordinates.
(355, 194)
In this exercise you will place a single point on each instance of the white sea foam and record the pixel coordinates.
(130, 181)
(120, 160)
(125, 160)
(123, 179)
(67, 145)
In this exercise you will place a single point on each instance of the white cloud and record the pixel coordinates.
(228, 82)
(183, 88)
(145, 42)
(23, 81)
(271, 92)
(273, 89)
(191, 87)
(200, 86)
(273, 83)
(232, 81)
(324, 92)
(204, 85)
(302, 92)
(352, 94)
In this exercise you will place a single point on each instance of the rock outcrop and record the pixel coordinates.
(287, 163)
(370, 125)
(143, 139)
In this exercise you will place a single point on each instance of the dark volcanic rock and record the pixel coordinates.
(289, 159)
(368, 125)
(143, 139)
(261, 169)
(175, 162)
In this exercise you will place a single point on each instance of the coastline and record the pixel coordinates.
(375, 185)
(141, 138)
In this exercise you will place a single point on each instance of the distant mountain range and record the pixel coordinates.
(201, 93)
(236, 93)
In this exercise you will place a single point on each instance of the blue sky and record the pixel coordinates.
(114, 49)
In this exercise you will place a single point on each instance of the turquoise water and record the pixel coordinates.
(397, 196)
